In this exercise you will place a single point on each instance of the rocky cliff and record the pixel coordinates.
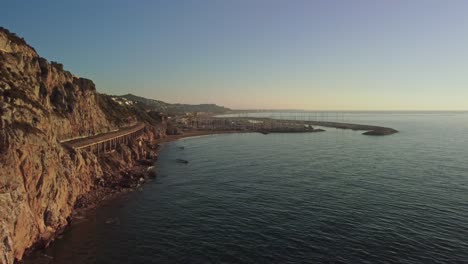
(41, 181)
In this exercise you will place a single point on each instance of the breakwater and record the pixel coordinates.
(272, 125)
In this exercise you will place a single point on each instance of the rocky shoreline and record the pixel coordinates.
(117, 182)
(121, 181)
(131, 178)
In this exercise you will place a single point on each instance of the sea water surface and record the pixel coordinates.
(331, 197)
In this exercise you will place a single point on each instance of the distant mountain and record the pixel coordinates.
(161, 106)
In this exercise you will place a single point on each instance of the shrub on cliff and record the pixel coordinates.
(120, 113)
(114, 112)
(13, 37)
(58, 66)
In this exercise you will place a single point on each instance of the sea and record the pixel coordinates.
(332, 197)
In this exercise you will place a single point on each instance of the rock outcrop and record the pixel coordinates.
(40, 180)
(384, 131)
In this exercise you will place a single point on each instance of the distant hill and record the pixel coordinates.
(157, 105)
(161, 106)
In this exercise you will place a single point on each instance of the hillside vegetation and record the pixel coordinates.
(175, 108)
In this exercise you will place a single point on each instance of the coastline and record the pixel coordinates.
(197, 133)
(87, 205)
(102, 195)
(139, 169)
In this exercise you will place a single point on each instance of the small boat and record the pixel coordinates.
(182, 161)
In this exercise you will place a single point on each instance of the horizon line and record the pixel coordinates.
(344, 110)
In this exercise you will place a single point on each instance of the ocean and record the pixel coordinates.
(331, 197)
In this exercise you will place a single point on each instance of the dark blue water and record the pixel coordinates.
(332, 197)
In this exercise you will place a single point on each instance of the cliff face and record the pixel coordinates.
(40, 180)
(43, 94)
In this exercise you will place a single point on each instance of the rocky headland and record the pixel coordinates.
(42, 181)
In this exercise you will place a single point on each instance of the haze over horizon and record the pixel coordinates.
(317, 55)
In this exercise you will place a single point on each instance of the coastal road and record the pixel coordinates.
(82, 143)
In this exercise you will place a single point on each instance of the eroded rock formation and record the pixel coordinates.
(40, 180)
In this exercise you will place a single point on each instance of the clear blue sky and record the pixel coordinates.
(348, 54)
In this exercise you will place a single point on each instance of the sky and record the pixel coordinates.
(259, 54)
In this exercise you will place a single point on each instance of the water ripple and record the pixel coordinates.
(334, 197)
